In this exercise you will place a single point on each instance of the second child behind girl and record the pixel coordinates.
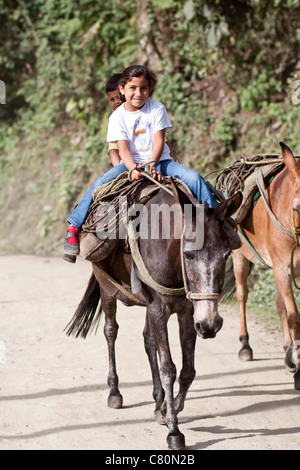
(138, 127)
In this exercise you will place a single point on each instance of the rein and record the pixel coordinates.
(147, 173)
(120, 287)
(293, 234)
(148, 279)
(136, 255)
(260, 185)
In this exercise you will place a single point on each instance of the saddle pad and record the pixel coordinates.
(250, 189)
(95, 249)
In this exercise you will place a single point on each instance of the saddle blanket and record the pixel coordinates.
(247, 184)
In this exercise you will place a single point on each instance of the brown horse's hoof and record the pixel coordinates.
(246, 354)
(297, 380)
(115, 401)
(176, 441)
(289, 360)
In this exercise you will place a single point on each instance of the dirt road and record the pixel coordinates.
(53, 388)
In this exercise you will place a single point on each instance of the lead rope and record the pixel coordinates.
(147, 173)
(140, 263)
(147, 278)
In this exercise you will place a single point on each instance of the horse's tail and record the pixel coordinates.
(86, 318)
(229, 284)
(229, 288)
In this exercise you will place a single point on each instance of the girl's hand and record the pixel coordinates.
(135, 174)
(156, 175)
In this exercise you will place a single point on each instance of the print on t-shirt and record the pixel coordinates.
(141, 138)
(141, 133)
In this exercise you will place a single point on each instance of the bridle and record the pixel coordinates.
(189, 294)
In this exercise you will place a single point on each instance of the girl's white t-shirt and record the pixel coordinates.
(138, 128)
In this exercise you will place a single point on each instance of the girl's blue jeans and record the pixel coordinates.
(167, 168)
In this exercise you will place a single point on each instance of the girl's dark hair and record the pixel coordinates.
(138, 71)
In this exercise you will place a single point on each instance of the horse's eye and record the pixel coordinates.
(189, 254)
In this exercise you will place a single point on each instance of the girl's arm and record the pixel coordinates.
(127, 159)
(158, 147)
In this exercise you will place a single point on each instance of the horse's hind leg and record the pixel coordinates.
(241, 268)
(158, 392)
(109, 305)
(287, 341)
(187, 340)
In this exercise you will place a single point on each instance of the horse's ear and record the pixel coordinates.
(228, 207)
(290, 163)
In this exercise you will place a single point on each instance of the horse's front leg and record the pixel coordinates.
(109, 305)
(158, 392)
(188, 337)
(284, 285)
(241, 271)
(158, 325)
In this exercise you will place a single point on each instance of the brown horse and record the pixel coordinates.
(275, 248)
(201, 270)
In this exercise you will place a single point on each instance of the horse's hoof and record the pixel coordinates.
(115, 401)
(289, 360)
(159, 417)
(176, 441)
(246, 354)
(297, 380)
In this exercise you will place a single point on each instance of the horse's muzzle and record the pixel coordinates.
(206, 329)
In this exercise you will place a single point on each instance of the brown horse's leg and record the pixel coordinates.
(241, 271)
(158, 392)
(109, 305)
(284, 285)
(158, 325)
(188, 340)
(287, 341)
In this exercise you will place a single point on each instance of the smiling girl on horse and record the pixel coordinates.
(138, 127)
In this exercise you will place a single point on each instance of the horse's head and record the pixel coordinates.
(294, 172)
(205, 266)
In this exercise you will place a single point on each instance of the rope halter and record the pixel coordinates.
(195, 296)
(189, 294)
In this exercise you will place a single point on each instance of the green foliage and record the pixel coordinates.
(225, 130)
(258, 93)
(225, 73)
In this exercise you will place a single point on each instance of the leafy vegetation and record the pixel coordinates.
(225, 73)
